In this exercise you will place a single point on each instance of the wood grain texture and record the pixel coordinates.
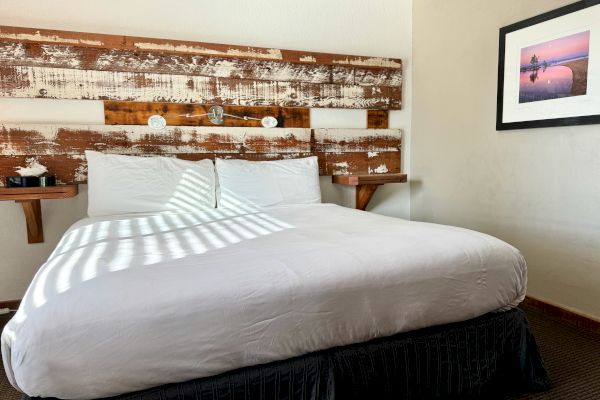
(137, 113)
(364, 194)
(39, 193)
(71, 65)
(167, 46)
(61, 148)
(60, 56)
(378, 119)
(348, 140)
(33, 218)
(63, 83)
(366, 185)
(374, 179)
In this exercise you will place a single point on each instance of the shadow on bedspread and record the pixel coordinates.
(489, 357)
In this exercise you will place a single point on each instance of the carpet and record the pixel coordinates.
(571, 356)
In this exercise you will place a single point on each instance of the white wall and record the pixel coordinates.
(370, 28)
(538, 189)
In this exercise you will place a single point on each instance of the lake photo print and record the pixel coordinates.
(554, 69)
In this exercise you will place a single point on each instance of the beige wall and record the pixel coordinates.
(538, 189)
(376, 28)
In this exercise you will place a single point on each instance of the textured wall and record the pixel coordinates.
(374, 28)
(538, 189)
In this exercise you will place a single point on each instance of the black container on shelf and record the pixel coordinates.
(22, 181)
(47, 180)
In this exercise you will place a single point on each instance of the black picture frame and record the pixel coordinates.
(537, 123)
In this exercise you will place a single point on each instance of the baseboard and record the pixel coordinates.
(577, 319)
(12, 304)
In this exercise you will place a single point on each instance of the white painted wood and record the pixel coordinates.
(108, 85)
(60, 56)
(45, 139)
(344, 140)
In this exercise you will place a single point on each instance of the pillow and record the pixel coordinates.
(125, 184)
(267, 183)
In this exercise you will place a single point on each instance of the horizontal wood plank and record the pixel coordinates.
(140, 140)
(74, 65)
(374, 179)
(61, 148)
(169, 46)
(358, 163)
(137, 113)
(38, 193)
(348, 140)
(89, 58)
(63, 83)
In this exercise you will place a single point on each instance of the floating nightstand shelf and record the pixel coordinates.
(30, 201)
(366, 185)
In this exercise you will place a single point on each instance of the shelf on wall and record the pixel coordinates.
(30, 201)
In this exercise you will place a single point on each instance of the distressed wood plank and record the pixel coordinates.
(140, 140)
(373, 179)
(166, 46)
(378, 119)
(86, 58)
(33, 219)
(62, 83)
(61, 148)
(359, 163)
(72, 168)
(137, 113)
(38, 193)
(348, 140)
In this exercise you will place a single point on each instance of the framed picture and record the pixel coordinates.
(549, 69)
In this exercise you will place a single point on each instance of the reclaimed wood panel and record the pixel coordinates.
(140, 140)
(137, 113)
(61, 148)
(38, 193)
(63, 83)
(167, 46)
(358, 163)
(378, 119)
(348, 140)
(61, 56)
(71, 65)
(355, 151)
(373, 179)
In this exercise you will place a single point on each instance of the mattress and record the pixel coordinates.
(126, 303)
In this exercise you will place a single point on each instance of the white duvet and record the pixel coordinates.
(130, 302)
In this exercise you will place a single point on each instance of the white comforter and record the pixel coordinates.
(131, 302)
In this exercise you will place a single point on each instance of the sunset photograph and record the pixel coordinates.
(555, 69)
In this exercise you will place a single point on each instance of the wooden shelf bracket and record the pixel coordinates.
(366, 185)
(33, 217)
(30, 199)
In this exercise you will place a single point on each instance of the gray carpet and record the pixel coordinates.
(571, 356)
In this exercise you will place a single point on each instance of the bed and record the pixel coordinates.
(298, 301)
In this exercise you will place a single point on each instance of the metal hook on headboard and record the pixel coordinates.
(216, 115)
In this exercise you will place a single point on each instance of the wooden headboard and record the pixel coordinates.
(61, 148)
(138, 77)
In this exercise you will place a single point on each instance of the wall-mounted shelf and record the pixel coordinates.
(30, 201)
(366, 185)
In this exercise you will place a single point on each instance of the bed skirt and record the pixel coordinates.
(489, 357)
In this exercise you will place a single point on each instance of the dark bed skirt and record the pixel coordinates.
(490, 357)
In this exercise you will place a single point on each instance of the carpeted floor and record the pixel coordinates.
(571, 356)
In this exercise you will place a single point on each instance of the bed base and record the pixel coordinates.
(490, 357)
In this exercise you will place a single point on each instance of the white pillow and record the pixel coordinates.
(125, 184)
(267, 183)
